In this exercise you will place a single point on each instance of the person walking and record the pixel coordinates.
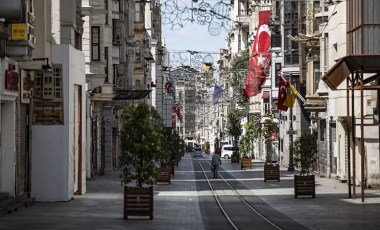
(215, 162)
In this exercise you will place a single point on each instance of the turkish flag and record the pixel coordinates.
(287, 95)
(282, 94)
(259, 62)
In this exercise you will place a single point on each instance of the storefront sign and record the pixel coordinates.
(19, 31)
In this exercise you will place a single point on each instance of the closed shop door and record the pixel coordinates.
(23, 153)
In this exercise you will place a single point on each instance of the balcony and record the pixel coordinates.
(103, 92)
(243, 21)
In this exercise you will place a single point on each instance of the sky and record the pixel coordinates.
(193, 36)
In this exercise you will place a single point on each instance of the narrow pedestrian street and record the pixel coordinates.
(185, 205)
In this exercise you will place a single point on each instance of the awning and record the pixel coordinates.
(131, 94)
(265, 95)
(369, 63)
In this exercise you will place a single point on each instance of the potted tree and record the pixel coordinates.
(163, 169)
(141, 138)
(244, 149)
(174, 149)
(234, 129)
(271, 167)
(305, 151)
(246, 142)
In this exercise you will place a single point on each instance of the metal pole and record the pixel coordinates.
(362, 150)
(353, 136)
(291, 166)
(349, 138)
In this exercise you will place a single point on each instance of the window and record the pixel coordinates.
(290, 29)
(317, 76)
(290, 47)
(57, 82)
(95, 43)
(276, 39)
(277, 70)
(266, 106)
(105, 53)
(322, 127)
(327, 50)
(138, 51)
(38, 85)
(31, 6)
(48, 97)
(115, 74)
(137, 12)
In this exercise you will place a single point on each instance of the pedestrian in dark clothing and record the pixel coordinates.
(215, 162)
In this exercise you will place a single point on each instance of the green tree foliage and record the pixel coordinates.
(174, 146)
(239, 67)
(234, 128)
(252, 133)
(163, 157)
(182, 147)
(142, 137)
(305, 152)
(268, 128)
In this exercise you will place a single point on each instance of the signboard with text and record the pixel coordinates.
(19, 31)
(291, 132)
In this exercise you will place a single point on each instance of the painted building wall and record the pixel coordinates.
(53, 147)
(8, 146)
(7, 133)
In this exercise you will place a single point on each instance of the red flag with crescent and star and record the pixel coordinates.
(259, 62)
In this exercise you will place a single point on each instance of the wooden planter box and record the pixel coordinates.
(163, 175)
(246, 163)
(138, 202)
(304, 185)
(171, 167)
(271, 172)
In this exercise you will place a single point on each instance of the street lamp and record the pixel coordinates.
(291, 166)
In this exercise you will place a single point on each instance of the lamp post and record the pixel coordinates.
(291, 166)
